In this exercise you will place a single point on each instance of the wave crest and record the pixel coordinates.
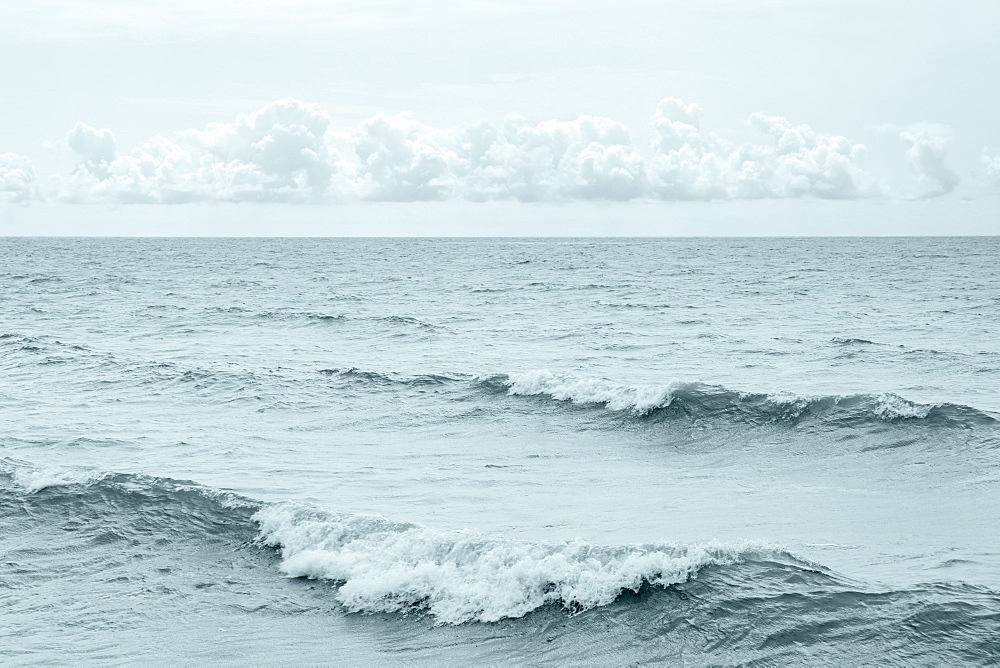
(377, 378)
(31, 480)
(464, 576)
(137, 489)
(636, 399)
(700, 400)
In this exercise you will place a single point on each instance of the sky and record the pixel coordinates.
(480, 117)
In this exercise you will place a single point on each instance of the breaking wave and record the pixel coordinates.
(376, 564)
(694, 400)
(702, 401)
(464, 576)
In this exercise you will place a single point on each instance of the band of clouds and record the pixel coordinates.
(288, 151)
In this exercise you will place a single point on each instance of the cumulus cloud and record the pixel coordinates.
(96, 148)
(588, 158)
(690, 164)
(17, 178)
(614, 172)
(288, 151)
(401, 160)
(277, 153)
(992, 165)
(927, 147)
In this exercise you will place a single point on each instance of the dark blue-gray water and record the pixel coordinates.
(482, 451)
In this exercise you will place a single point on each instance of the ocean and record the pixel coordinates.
(478, 451)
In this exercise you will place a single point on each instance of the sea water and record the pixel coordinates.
(511, 450)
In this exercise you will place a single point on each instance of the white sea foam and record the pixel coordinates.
(639, 399)
(643, 399)
(895, 407)
(32, 480)
(462, 576)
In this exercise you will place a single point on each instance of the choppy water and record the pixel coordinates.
(473, 451)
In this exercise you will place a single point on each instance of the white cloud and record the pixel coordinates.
(927, 147)
(614, 172)
(17, 178)
(587, 158)
(278, 153)
(400, 160)
(992, 164)
(280, 148)
(689, 164)
(804, 162)
(97, 148)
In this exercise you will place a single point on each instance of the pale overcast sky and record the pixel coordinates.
(308, 117)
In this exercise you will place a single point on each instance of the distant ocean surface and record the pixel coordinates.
(469, 451)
